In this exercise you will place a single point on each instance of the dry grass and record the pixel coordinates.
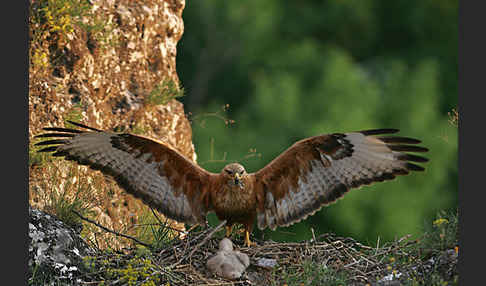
(453, 117)
(327, 260)
(59, 187)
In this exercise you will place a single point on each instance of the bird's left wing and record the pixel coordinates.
(319, 170)
(159, 175)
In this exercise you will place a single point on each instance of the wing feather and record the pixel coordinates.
(317, 171)
(159, 175)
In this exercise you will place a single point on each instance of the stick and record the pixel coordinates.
(200, 243)
(111, 231)
(207, 237)
(164, 224)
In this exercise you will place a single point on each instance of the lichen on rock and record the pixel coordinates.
(54, 248)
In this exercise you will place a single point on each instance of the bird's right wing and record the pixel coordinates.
(162, 177)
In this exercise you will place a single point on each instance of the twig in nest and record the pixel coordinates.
(111, 231)
(165, 223)
(223, 223)
(313, 235)
(393, 247)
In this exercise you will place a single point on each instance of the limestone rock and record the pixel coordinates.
(54, 248)
(102, 78)
(228, 263)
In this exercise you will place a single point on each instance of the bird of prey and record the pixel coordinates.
(312, 173)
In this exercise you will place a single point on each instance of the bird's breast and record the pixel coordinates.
(234, 203)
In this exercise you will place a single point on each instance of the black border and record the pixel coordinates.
(471, 80)
(15, 119)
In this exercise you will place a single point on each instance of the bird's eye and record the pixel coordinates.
(229, 172)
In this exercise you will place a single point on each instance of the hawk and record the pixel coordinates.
(312, 173)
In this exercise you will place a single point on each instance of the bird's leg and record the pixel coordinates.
(248, 229)
(229, 228)
(247, 239)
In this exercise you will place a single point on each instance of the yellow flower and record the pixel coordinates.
(440, 221)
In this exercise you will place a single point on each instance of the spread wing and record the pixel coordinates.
(159, 175)
(317, 171)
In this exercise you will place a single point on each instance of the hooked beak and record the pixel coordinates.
(238, 180)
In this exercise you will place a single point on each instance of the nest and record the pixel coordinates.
(183, 262)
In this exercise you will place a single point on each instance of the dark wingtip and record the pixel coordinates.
(408, 148)
(414, 167)
(82, 125)
(379, 131)
(51, 142)
(60, 129)
(48, 149)
(48, 135)
(399, 140)
(413, 158)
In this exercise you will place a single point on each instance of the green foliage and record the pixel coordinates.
(302, 69)
(36, 158)
(433, 279)
(43, 276)
(37, 277)
(74, 114)
(163, 92)
(61, 15)
(154, 231)
(65, 194)
(442, 233)
(309, 274)
(102, 31)
(138, 128)
(440, 237)
(51, 23)
(137, 270)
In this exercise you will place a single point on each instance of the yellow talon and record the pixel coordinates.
(248, 242)
(228, 230)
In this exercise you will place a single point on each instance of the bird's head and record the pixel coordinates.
(234, 174)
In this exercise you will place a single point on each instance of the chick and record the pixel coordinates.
(228, 263)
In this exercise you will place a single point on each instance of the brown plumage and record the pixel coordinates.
(312, 173)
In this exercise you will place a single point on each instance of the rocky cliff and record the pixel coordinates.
(111, 65)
